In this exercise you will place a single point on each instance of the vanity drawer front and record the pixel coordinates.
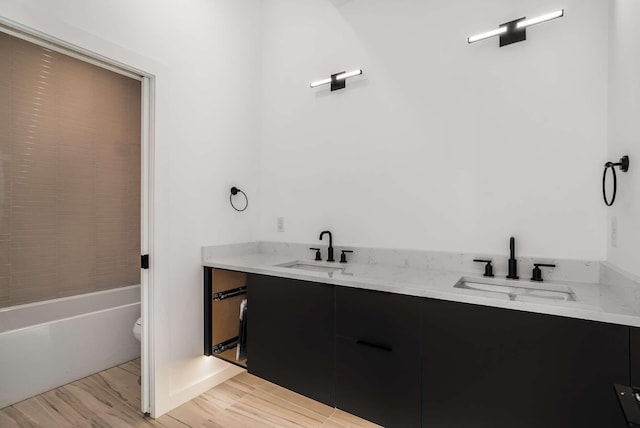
(379, 319)
(379, 385)
(501, 368)
(634, 335)
(290, 338)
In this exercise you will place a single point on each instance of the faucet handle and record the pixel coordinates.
(488, 269)
(318, 256)
(536, 275)
(343, 256)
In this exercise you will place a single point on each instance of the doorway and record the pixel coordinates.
(88, 180)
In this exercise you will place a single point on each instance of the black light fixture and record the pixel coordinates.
(515, 31)
(337, 81)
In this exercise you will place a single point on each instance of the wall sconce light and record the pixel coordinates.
(515, 31)
(338, 80)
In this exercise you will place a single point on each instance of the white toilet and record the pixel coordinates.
(137, 328)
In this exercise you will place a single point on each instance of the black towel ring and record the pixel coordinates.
(235, 191)
(624, 167)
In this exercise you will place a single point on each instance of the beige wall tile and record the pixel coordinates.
(69, 175)
(4, 289)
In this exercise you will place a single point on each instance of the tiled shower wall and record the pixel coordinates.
(69, 175)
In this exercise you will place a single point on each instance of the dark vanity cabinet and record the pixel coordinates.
(403, 361)
(634, 335)
(377, 356)
(492, 367)
(290, 335)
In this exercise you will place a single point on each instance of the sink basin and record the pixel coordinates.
(524, 291)
(313, 267)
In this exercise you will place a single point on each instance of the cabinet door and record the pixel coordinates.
(290, 335)
(378, 356)
(635, 356)
(491, 367)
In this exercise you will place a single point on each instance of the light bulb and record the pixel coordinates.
(488, 34)
(539, 19)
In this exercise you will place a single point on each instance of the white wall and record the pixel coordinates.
(205, 55)
(624, 130)
(441, 145)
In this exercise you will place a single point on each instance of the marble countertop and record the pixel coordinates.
(593, 302)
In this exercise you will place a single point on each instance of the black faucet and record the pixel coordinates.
(536, 275)
(488, 269)
(318, 256)
(330, 251)
(513, 263)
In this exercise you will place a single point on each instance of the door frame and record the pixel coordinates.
(147, 139)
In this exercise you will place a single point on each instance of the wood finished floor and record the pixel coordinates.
(112, 399)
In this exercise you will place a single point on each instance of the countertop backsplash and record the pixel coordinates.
(624, 285)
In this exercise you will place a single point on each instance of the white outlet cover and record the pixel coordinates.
(614, 231)
(280, 224)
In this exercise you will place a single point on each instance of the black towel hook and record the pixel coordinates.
(235, 191)
(624, 167)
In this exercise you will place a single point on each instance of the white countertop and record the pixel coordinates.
(593, 302)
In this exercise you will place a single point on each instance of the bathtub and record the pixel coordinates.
(47, 344)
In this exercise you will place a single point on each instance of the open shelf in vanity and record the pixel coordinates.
(224, 292)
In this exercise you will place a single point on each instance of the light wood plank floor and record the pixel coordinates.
(112, 399)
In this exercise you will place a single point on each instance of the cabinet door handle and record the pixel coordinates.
(374, 345)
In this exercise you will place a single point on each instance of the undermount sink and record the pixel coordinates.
(313, 267)
(524, 291)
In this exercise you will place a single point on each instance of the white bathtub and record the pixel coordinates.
(47, 344)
